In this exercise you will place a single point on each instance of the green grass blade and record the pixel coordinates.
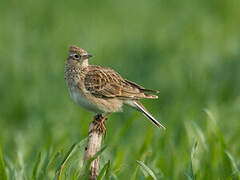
(36, 166)
(87, 166)
(235, 168)
(104, 171)
(113, 176)
(190, 174)
(201, 135)
(67, 157)
(3, 173)
(147, 170)
(95, 156)
(135, 174)
(64, 161)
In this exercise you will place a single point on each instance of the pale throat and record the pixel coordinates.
(85, 63)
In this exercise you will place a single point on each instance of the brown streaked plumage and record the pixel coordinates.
(100, 89)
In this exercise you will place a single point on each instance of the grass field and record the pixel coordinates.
(188, 50)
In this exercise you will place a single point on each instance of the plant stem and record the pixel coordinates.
(93, 146)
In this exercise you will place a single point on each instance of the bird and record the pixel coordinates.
(102, 90)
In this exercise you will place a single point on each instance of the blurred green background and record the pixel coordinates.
(188, 50)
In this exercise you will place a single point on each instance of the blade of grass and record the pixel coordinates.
(236, 170)
(201, 135)
(66, 158)
(43, 166)
(104, 171)
(36, 166)
(147, 170)
(113, 176)
(190, 173)
(3, 173)
(144, 156)
(135, 173)
(87, 166)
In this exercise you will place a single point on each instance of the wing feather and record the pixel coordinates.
(105, 82)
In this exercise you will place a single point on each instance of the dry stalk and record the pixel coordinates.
(94, 145)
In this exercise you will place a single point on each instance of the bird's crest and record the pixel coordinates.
(76, 49)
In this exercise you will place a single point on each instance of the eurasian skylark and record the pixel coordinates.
(102, 90)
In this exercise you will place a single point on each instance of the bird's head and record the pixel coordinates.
(78, 55)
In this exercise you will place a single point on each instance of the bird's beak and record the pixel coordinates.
(87, 56)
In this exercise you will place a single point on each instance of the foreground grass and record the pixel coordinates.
(189, 50)
(204, 155)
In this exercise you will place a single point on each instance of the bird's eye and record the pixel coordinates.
(76, 56)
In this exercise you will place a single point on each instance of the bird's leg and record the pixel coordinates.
(97, 118)
(99, 124)
(103, 122)
(106, 117)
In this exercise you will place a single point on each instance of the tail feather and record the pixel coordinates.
(141, 108)
(141, 87)
(150, 96)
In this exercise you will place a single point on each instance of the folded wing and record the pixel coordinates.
(105, 82)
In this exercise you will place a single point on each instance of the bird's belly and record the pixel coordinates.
(82, 101)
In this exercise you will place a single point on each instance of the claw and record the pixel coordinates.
(100, 123)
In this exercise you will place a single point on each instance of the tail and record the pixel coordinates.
(141, 108)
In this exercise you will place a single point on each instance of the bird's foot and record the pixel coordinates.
(99, 124)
